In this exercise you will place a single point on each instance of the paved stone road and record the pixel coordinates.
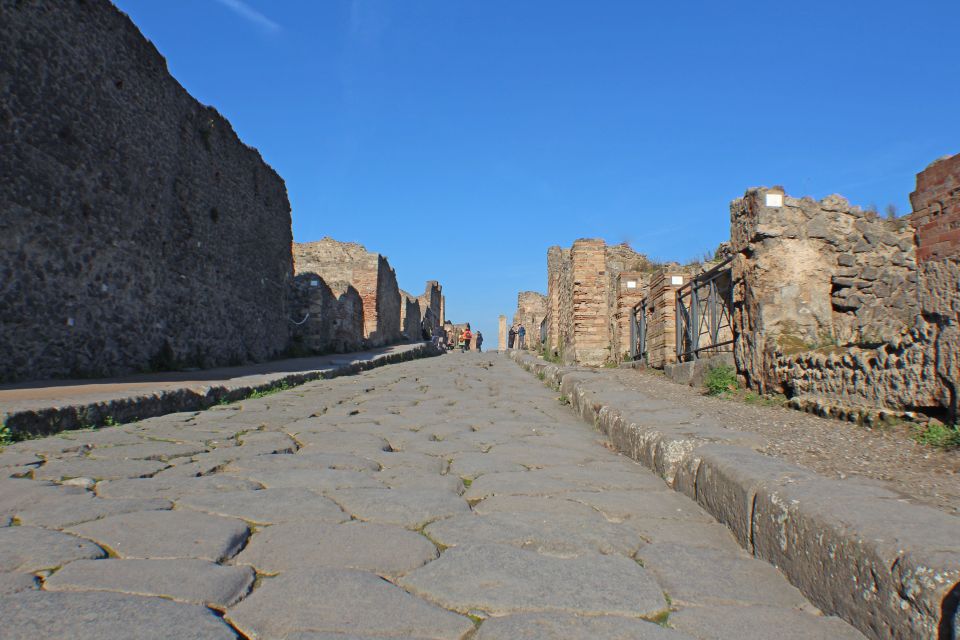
(429, 499)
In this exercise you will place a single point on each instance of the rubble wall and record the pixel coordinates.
(431, 306)
(137, 231)
(328, 317)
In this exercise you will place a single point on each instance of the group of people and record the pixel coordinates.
(517, 337)
(467, 337)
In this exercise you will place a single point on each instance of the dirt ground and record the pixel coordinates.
(829, 447)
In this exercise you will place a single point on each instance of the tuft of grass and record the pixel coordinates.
(541, 376)
(109, 421)
(563, 400)
(720, 379)
(937, 435)
(467, 482)
(282, 386)
(6, 435)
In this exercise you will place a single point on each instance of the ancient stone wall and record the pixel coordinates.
(136, 230)
(328, 317)
(410, 320)
(559, 300)
(369, 273)
(661, 311)
(531, 310)
(431, 307)
(591, 330)
(815, 275)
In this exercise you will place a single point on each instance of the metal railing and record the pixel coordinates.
(704, 313)
(638, 331)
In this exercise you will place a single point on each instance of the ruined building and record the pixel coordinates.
(138, 231)
(531, 312)
(369, 273)
(584, 285)
(847, 313)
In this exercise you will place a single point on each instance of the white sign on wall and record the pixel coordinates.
(676, 279)
(631, 284)
(774, 199)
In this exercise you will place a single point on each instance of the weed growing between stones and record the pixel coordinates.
(938, 435)
(563, 400)
(720, 379)
(6, 435)
(261, 393)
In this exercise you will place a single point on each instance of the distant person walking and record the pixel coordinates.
(479, 341)
(522, 334)
(466, 337)
(511, 337)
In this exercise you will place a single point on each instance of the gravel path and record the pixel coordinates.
(829, 447)
(452, 497)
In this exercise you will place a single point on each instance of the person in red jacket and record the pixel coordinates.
(466, 337)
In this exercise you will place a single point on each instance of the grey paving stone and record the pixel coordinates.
(274, 441)
(320, 480)
(699, 576)
(19, 493)
(106, 616)
(501, 580)
(384, 549)
(185, 580)
(342, 442)
(344, 601)
(53, 446)
(167, 534)
(33, 549)
(757, 622)
(84, 467)
(556, 534)
(684, 532)
(563, 626)
(518, 483)
(14, 459)
(531, 456)
(416, 479)
(11, 582)
(474, 464)
(173, 488)
(618, 504)
(74, 509)
(543, 504)
(411, 508)
(407, 460)
(149, 450)
(267, 506)
(303, 460)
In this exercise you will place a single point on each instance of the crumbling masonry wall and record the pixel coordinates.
(629, 289)
(531, 310)
(410, 320)
(661, 310)
(828, 307)
(431, 307)
(329, 316)
(369, 273)
(136, 230)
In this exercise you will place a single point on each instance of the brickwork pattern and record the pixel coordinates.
(591, 331)
(936, 206)
(627, 297)
(138, 231)
(661, 312)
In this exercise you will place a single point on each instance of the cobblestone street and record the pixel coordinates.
(449, 497)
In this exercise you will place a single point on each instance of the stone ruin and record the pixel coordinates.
(531, 312)
(365, 287)
(847, 313)
(583, 299)
(140, 233)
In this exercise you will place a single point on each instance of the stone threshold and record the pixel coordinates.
(858, 551)
(32, 411)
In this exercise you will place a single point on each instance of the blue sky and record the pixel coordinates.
(461, 139)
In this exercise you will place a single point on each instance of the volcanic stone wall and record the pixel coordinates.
(431, 307)
(136, 230)
(369, 273)
(328, 316)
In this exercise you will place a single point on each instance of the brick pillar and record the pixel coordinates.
(591, 335)
(502, 334)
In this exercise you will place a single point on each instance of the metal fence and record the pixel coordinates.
(638, 331)
(704, 313)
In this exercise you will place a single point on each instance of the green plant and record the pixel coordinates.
(109, 421)
(720, 379)
(269, 391)
(938, 435)
(564, 400)
(6, 435)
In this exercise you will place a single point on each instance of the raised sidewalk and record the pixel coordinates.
(889, 567)
(46, 407)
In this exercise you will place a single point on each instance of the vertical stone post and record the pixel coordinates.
(502, 335)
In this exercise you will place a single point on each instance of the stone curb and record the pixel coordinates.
(856, 550)
(54, 419)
